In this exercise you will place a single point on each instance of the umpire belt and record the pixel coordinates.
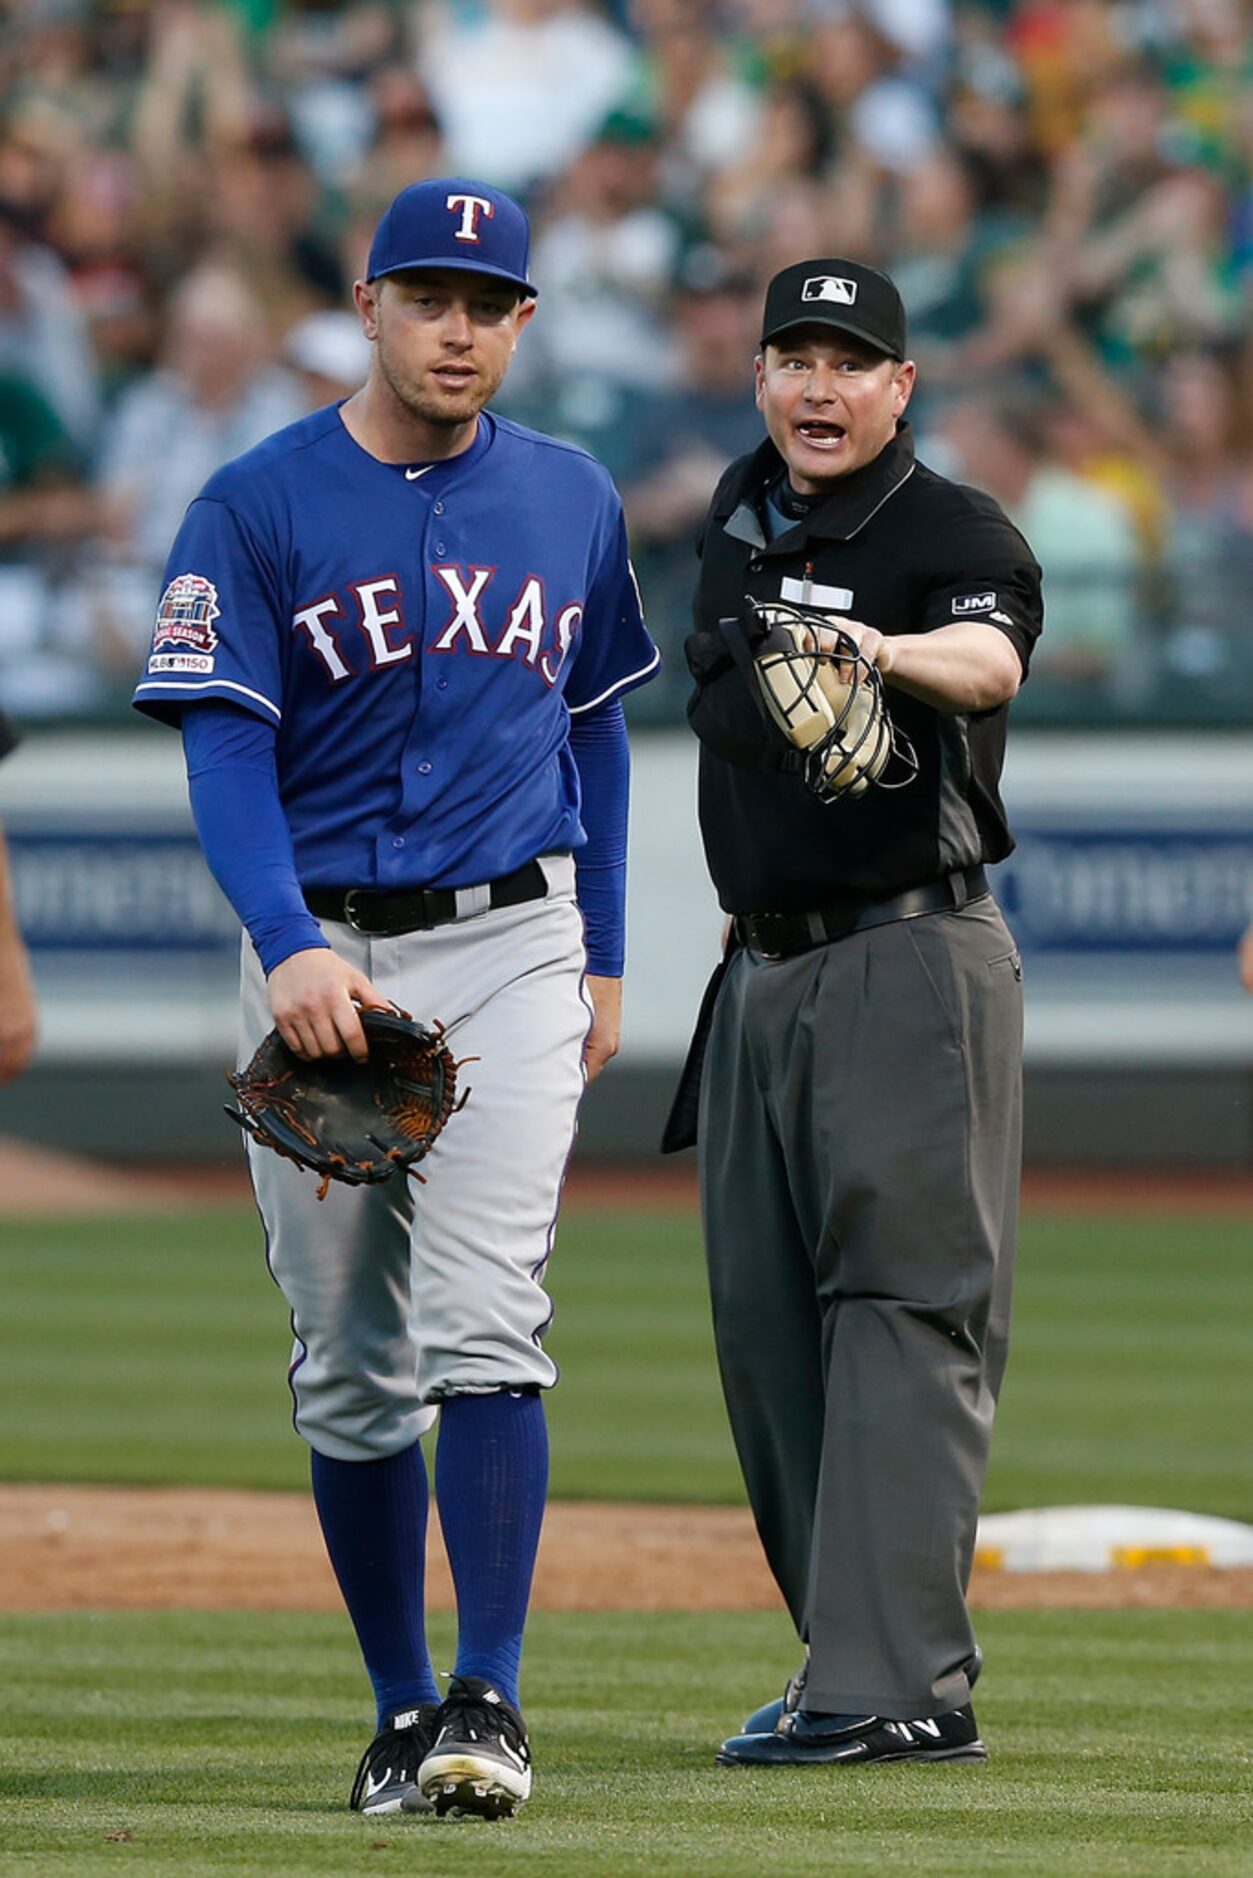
(780, 935)
(418, 909)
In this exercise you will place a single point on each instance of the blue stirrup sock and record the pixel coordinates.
(491, 1482)
(373, 1516)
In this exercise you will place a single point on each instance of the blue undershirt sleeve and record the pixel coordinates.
(598, 744)
(233, 784)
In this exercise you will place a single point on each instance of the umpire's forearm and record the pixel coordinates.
(957, 668)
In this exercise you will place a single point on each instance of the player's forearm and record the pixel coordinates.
(598, 743)
(243, 831)
(958, 668)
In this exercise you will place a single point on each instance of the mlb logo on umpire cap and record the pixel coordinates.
(830, 287)
(449, 221)
(853, 298)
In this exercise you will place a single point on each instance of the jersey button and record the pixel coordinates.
(441, 684)
(398, 841)
(424, 769)
(440, 548)
(439, 508)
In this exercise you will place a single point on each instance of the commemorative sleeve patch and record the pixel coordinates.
(974, 603)
(183, 639)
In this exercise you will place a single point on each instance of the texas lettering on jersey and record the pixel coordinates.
(420, 643)
(522, 629)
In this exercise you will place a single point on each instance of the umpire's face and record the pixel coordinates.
(443, 338)
(830, 403)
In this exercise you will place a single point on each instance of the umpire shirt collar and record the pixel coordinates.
(852, 502)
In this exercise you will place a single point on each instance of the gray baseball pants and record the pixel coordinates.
(860, 1148)
(400, 1294)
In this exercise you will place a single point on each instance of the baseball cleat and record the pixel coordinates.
(764, 1720)
(387, 1779)
(802, 1740)
(480, 1761)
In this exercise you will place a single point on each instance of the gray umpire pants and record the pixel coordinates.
(860, 1148)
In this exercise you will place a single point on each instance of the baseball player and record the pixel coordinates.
(396, 637)
(18, 1023)
(858, 1102)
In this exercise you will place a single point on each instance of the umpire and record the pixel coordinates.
(855, 1078)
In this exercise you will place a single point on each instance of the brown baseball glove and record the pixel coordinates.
(355, 1122)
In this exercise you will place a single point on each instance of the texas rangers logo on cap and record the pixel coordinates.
(470, 207)
(185, 617)
(453, 222)
(830, 287)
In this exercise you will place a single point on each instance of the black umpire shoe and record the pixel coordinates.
(764, 1720)
(802, 1740)
(480, 1760)
(387, 1779)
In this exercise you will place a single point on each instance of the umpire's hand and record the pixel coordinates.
(315, 996)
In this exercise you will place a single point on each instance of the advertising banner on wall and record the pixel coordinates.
(1128, 892)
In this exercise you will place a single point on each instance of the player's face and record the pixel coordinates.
(443, 340)
(830, 405)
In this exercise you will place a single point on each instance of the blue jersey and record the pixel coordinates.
(419, 635)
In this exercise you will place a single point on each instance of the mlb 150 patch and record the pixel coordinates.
(184, 624)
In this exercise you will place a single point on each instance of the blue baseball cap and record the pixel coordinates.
(450, 221)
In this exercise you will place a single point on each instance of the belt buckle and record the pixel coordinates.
(350, 910)
(766, 951)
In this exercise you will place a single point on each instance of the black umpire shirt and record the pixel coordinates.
(8, 736)
(898, 548)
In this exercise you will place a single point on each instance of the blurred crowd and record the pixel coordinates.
(1063, 190)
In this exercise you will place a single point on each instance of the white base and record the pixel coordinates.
(1108, 1538)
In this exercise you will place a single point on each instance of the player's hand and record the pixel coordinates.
(315, 996)
(18, 1024)
(605, 1036)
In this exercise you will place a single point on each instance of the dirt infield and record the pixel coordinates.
(37, 1181)
(68, 1548)
(65, 1548)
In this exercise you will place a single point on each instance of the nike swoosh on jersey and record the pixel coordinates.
(411, 476)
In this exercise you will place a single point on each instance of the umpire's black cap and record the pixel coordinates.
(845, 294)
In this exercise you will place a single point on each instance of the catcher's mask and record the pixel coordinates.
(828, 704)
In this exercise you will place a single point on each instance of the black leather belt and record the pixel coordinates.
(417, 909)
(779, 935)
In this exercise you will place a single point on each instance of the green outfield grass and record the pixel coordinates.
(153, 1350)
(1119, 1746)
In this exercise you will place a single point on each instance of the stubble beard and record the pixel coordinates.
(437, 410)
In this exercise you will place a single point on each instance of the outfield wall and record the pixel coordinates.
(1132, 882)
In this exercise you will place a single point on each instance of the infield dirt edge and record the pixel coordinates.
(120, 1548)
